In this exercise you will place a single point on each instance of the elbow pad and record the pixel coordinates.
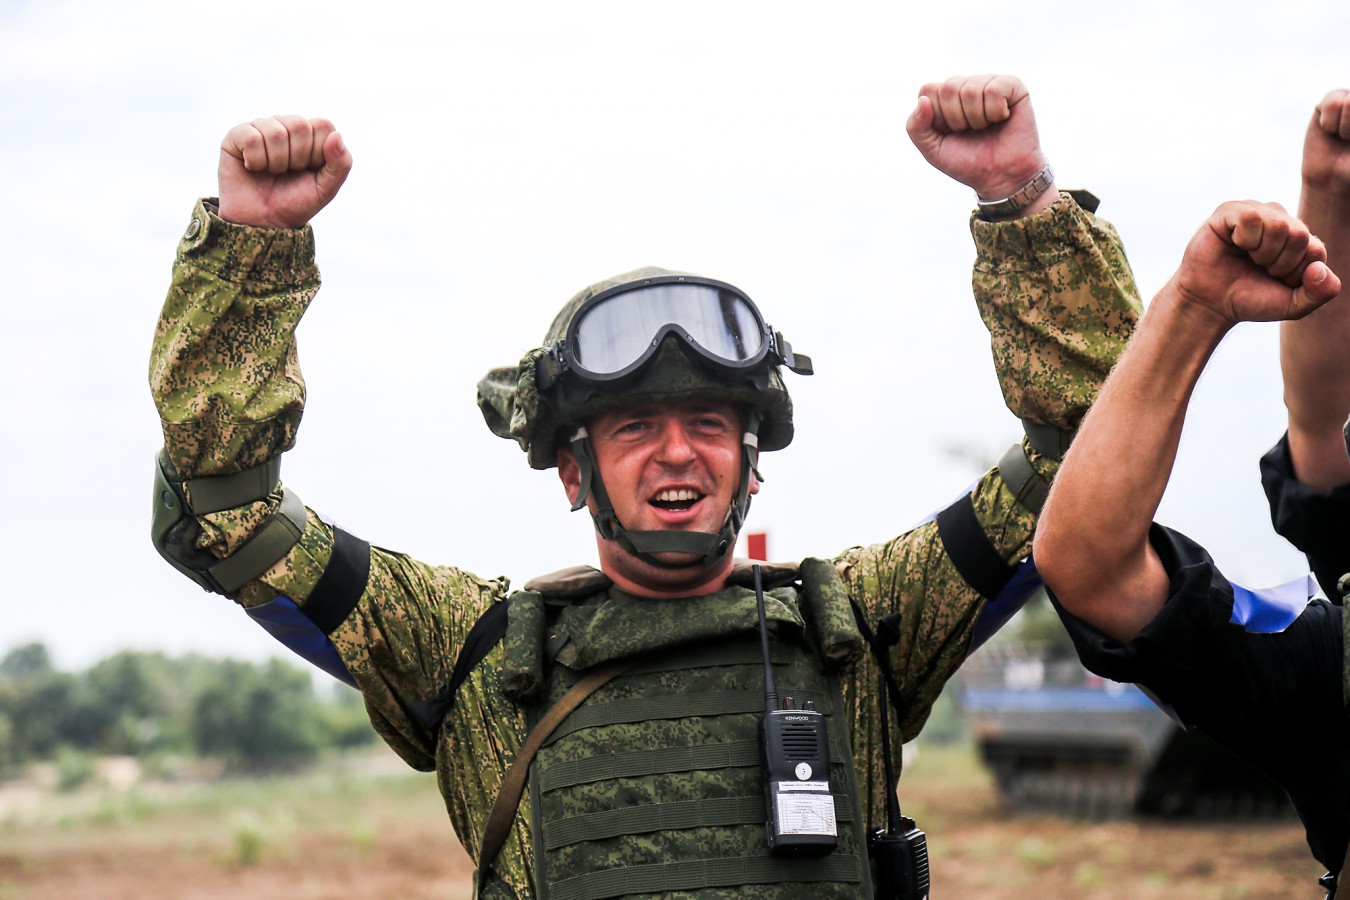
(174, 528)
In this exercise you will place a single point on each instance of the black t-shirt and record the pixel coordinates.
(1272, 697)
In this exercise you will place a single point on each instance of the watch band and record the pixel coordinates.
(1001, 209)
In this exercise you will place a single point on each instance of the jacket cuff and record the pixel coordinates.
(1035, 242)
(245, 253)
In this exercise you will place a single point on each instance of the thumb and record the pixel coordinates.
(919, 126)
(1319, 285)
(337, 163)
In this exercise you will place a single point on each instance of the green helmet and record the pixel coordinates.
(646, 336)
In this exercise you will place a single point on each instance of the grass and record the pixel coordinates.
(347, 829)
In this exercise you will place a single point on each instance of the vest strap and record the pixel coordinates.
(705, 873)
(503, 811)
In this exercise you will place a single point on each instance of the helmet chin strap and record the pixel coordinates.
(707, 547)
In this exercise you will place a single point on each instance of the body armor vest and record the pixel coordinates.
(655, 783)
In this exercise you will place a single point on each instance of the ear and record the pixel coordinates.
(754, 483)
(569, 473)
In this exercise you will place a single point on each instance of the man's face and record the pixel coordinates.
(666, 467)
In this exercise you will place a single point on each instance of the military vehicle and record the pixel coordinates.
(1061, 740)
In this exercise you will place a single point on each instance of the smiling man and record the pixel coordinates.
(676, 467)
(598, 733)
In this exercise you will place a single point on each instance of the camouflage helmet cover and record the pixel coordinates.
(514, 407)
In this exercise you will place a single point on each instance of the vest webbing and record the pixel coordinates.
(655, 783)
(706, 873)
(615, 817)
(513, 784)
(645, 709)
(639, 763)
(661, 816)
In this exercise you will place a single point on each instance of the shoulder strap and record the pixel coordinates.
(885, 677)
(504, 808)
(878, 645)
(483, 636)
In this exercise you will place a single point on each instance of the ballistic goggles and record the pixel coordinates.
(615, 333)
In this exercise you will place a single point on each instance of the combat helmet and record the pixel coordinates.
(647, 336)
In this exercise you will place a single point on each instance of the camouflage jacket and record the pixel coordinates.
(1055, 291)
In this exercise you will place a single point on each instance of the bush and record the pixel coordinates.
(74, 768)
(258, 717)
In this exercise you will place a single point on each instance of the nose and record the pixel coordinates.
(676, 448)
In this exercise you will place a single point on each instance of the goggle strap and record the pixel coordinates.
(797, 362)
(549, 368)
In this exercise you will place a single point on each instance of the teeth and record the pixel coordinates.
(675, 496)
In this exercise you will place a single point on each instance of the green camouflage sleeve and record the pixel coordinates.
(226, 380)
(1060, 303)
(225, 376)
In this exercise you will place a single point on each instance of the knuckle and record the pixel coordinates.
(271, 131)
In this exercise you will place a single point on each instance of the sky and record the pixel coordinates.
(508, 154)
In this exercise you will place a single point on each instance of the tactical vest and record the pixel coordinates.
(655, 783)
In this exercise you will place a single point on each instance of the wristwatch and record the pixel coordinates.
(1001, 209)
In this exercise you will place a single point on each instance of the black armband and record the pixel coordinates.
(970, 550)
(341, 585)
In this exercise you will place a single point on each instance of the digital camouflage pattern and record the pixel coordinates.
(1060, 303)
(227, 385)
(666, 758)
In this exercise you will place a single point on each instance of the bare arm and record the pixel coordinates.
(1249, 262)
(1315, 352)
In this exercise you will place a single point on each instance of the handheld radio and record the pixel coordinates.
(800, 804)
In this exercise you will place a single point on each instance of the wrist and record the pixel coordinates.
(1187, 319)
(250, 218)
(1025, 197)
(1323, 205)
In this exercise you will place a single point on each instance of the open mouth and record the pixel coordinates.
(676, 500)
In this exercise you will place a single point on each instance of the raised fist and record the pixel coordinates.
(1254, 262)
(979, 130)
(278, 172)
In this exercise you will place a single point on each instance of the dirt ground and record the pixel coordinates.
(357, 834)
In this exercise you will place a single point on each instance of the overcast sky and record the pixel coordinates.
(508, 154)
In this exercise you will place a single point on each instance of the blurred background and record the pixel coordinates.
(505, 156)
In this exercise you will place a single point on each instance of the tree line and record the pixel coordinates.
(250, 716)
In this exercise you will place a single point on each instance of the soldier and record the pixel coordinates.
(653, 394)
(1261, 672)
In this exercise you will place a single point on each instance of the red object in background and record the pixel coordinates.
(757, 545)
